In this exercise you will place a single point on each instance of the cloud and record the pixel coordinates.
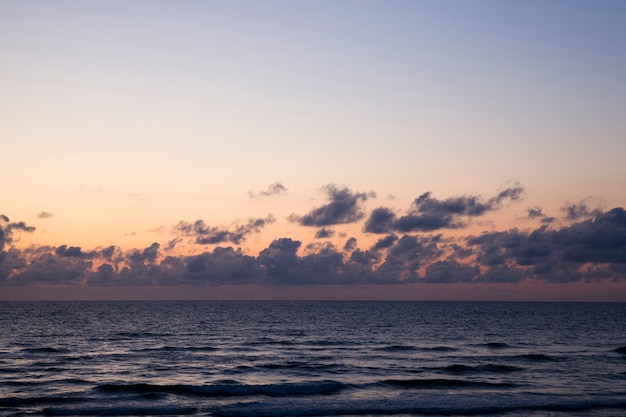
(562, 255)
(385, 242)
(147, 255)
(428, 214)
(343, 207)
(580, 210)
(273, 189)
(589, 247)
(537, 213)
(381, 220)
(446, 272)
(324, 233)
(71, 252)
(41, 265)
(44, 215)
(172, 243)
(8, 229)
(220, 267)
(407, 255)
(207, 235)
(350, 244)
(280, 261)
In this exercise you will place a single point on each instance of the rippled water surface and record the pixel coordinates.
(312, 358)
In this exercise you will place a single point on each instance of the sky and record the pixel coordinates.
(426, 150)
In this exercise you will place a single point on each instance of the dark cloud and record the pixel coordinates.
(108, 252)
(537, 213)
(280, 261)
(7, 231)
(381, 220)
(324, 233)
(350, 245)
(41, 265)
(580, 210)
(405, 258)
(592, 249)
(147, 255)
(172, 243)
(274, 189)
(385, 242)
(220, 267)
(44, 215)
(428, 214)
(343, 207)
(602, 239)
(71, 252)
(445, 272)
(562, 255)
(207, 235)
(424, 222)
(19, 226)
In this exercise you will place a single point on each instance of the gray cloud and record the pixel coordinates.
(537, 213)
(8, 229)
(324, 233)
(273, 189)
(71, 252)
(445, 272)
(350, 245)
(171, 244)
(343, 207)
(555, 255)
(381, 220)
(219, 267)
(44, 215)
(279, 260)
(385, 242)
(147, 255)
(41, 265)
(580, 210)
(207, 235)
(428, 214)
(591, 249)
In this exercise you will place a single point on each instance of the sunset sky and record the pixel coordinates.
(435, 150)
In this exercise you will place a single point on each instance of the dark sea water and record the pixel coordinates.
(312, 358)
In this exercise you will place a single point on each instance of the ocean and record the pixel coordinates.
(306, 358)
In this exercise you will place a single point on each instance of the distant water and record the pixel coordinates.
(312, 359)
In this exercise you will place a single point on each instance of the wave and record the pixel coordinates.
(47, 350)
(292, 365)
(488, 368)
(443, 383)
(467, 405)
(408, 348)
(438, 349)
(537, 357)
(178, 349)
(31, 401)
(621, 349)
(263, 341)
(397, 348)
(121, 411)
(495, 345)
(229, 390)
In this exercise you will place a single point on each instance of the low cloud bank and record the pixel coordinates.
(592, 247)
